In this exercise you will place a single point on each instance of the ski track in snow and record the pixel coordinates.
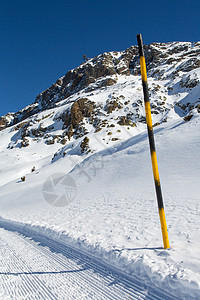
(37, 267)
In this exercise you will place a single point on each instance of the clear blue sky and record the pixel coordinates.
(41, 40)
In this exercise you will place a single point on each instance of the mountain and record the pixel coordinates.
(105, 92)
(91, 125)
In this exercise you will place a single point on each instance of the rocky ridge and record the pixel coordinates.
(103, 97)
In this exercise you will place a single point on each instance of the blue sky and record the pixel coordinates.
(41, 40)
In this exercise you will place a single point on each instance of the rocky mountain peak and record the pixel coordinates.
(104, 94)
(99, 70)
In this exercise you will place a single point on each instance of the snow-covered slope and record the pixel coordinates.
(97, 135)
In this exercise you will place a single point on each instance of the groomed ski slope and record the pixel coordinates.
(114, 215)
(37, 267)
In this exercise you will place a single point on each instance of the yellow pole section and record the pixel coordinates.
(152, 144)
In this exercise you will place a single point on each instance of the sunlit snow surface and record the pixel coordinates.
(114, 214)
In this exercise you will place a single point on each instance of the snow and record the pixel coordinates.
(53, 270)
(114, 216)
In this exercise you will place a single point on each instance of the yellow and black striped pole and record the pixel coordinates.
(152, 143)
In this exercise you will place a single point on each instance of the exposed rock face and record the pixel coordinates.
(85, 145)
(124, 121)
(100, 67)
(164, 61)
(162, 56)
(6, 120)
(80, 109)
(99, 71)
(189, 82)
(112, 105)
(14, 118)
(3, 123)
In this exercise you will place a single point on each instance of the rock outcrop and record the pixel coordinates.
(70, 108)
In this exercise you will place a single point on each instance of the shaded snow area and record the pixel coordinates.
(78, 210)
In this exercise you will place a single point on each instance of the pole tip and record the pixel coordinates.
(139, 38)
(140, 44)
